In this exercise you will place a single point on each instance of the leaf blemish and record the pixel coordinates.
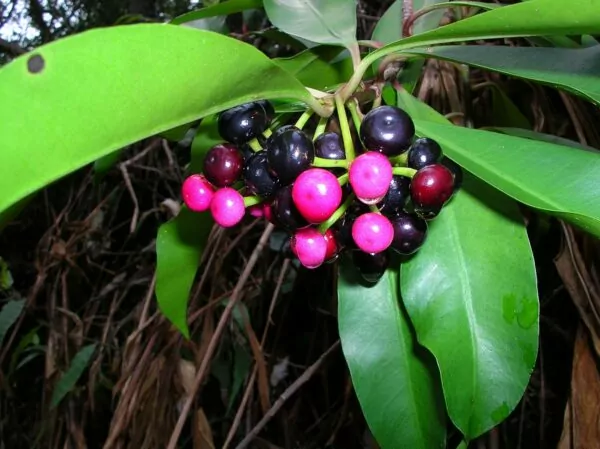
(35, 64)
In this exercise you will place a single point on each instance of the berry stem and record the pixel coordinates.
(343, 180)
(329, 163)
(321, 127)
(323, 227)
(346, 136)
(355, 113)
(304, 118)
(404, 171)
(255, 145)
(267, 133)
(252, 200)
(373, 208)
(401, 159)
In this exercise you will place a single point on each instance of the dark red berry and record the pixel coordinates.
(431, 186)
(243, 123)
(456, 171)
(396, 197)
(423, 152)
(410, 232)
(256, 175)
(371, 266)
(223, 165)
(387, 129)
(329, 146)
(290, 152)
(332, 246)
(284, 212)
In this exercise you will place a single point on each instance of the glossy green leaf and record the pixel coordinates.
(389, 26)
(505, 112)
(103, 89)
(395, 380)
(106, 163)
(428, 21)
(556, 179)
(324, 22)
(8, 315)
(574, 70)
(313, 67)
(220, 9)
(69, 379)
(418, 109)
(179, 247)
(550, 138)
(206, 137)
(471, 294)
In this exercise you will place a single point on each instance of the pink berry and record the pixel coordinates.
(256, 211)
(197, 193)
(372, 233)
(227, 207)
(370, 176)
(309, 246)
(317, 194)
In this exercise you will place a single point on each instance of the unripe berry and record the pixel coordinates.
(197, 193)
(223, 165)
(430, 188)
(317, 194)
(309, 246)
(370, 176)
(372, 232)
(227, 207)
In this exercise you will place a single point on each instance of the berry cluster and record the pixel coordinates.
(316, 189)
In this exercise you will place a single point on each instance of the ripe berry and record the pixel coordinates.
(371, 266)
(430, 188)
(227, 207)
(310, 247)
(396, 197)
(317, 194)
(268, 108)
(372, 232)
(370, 176)
(197, 193)
(456, 171)
(423, 152)
(256, 211)
(284, 212)
(332, 246)
(242, 123)
(329, 146)
(289, 151)
(223, 165)
(387, 129)
(344, 231)
(409, 233)
(256, 175)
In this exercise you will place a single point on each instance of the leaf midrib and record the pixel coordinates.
(319, 16)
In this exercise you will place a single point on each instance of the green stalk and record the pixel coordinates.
(330, 163)
(404, 171)
(255, 145)
(323, 227)
(304, 118)
(346, 136)
(401, 159)
(321, 127)
(252, 201)
(355, 113)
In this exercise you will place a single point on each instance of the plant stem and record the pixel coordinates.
(373, 208)
(354, 50)
(255, 145)
(346, 136)
(323, 110)
(330, 163)
(323, 227)
(342, 180)
(355, 113)
(321, 127)
(401, 159)
(267, 133)
(306, 115)
(252, 200)
(404, 171)
(371, 44)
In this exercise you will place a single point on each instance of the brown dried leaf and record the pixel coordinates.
(202, 434)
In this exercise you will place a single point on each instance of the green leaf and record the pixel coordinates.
(220, 9)
(550, 138)
(323, 22)
(179, 247)
(206, 137)
(431, 20)
(395, 380)
(68, 381)
(418, 109)
(559, 180)
(8, 315)
(242, 361)
(505, 112)
(6, 279)
(106, 88)
(574, 70)
(471, 294)
(105, 164)
(389, 26)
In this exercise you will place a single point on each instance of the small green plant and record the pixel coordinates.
(448, 332)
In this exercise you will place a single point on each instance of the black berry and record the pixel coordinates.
(268, 108)
(243, 123)
(387, 129)
(344, 231)
(430, 188)
(410, 232)
(223, 165)
(371, 266)
(329, 146)
(396, 197)
(257, 177)
(423, 152)
(290, 152)
(284, 212)
(456, 171)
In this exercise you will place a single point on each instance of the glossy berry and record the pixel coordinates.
(396, 197)
(329, 146)
(268, 108)
(370, 176)
(284, 211)
(227, 207)
(430, 188)
(344, 231)
(387, 129)
(410, 232)
(456, 171)
(423, 152)
(309, 246)
(371, 266)
(290, 152)
(333, 248)
(317, 194)
(242, 123)
(197, 193)
(372, 232)
(223, 165)
(257, 177)
(246, 151)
